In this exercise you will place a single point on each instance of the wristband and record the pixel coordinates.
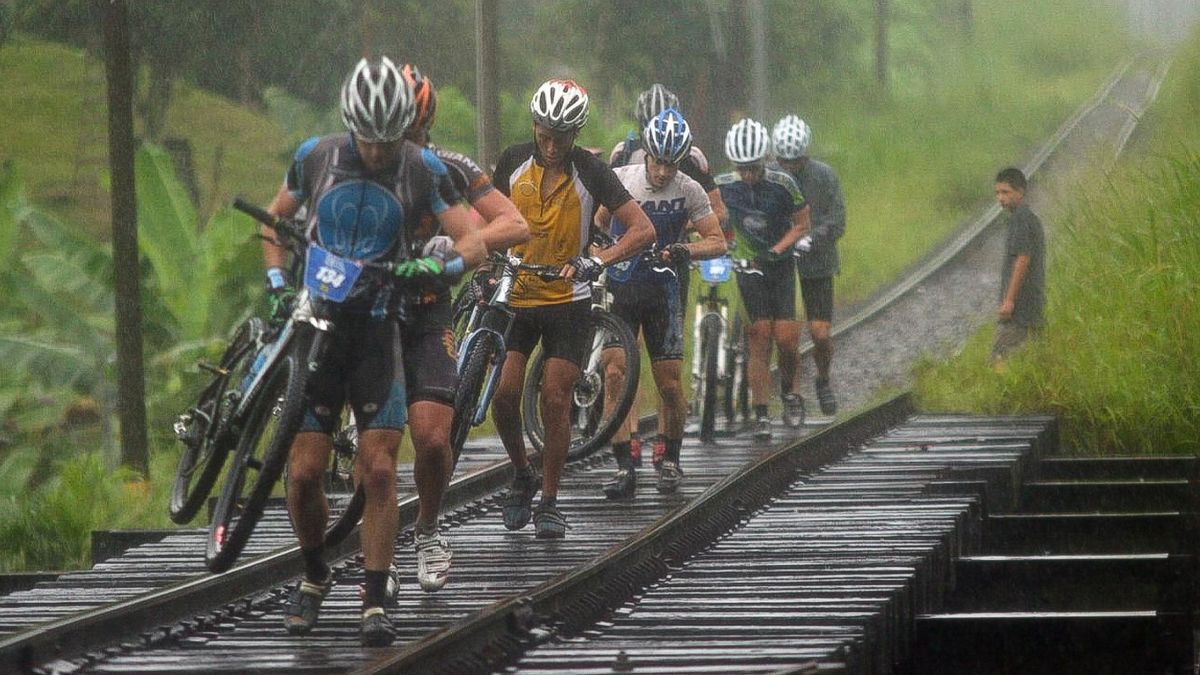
(275, 277)
(454, 266)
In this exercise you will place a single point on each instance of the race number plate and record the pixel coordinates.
(716, 270)
(329, 276)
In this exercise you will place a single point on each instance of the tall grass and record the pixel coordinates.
(917, 160)
(51, 528)
(1119, 360)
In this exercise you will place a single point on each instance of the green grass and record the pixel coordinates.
(918, 162)
(1118, 361)
(56, 129)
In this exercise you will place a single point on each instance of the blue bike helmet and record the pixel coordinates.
(667, 137)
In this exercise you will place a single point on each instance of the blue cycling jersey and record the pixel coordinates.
(360, 214)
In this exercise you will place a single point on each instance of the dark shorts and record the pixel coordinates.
(1009, 336)
(563, 329)
(656, 310)
(362, 366)
(430, 367)
(770, 295)
(817, 294)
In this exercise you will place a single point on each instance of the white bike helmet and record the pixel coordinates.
(791, 137)
(746, 142)
(377, 102)
(560, 105)
(653, 101)
(667, 136)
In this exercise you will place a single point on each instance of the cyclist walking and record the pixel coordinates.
(648, 299)
(816, 253)
(431, 386)
(650, 103)
(557, 186)
(769, 215)
(365, 193)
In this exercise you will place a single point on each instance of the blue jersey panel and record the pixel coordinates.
(359, 219)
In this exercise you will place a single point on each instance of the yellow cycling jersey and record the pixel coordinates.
(559, 221)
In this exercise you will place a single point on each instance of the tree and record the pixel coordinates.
(57, 339)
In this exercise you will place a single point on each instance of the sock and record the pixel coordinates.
(315, 569)
(673, 446)
(760, 411)
(621, 452)
(376, 589)
(551, 501)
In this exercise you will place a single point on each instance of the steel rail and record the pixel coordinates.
(493, 634)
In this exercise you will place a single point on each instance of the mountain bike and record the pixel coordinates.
(590, 426)
(482, 321)
(205, 429)
(271, 399)
(718, 348)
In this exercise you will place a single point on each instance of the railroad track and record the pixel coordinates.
(818, 557)
(155, 601)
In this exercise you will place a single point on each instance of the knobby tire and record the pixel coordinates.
(258, 462)
(710, 340)
(599, 428)
(200, 464)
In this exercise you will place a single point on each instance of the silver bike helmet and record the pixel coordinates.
(377, 102)
(560, 105)
(653, 101)
(746, 142)
(791, 137)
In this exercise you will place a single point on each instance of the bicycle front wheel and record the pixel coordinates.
(591, 428)
(270, 425)
(208, 438)
(710, 345)
(478, 363)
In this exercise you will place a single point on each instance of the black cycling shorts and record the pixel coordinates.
(362, 365)
(817, 294)
(770, 295)
(655, 309)
(563, 329)
(430, 354)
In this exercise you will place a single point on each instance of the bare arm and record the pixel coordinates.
(718, 206)
(284, 205)
(504, 224)
(712, 241)
(603, 218)
(1019, 271)
(800, 224)
(468, 241)
(638, 235)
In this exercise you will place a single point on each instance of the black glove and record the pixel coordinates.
(587, 268)
(680, 253)
(280, 296)
(769, 257)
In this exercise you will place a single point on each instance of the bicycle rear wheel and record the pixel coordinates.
(737, 387)
(710, 345)
(345, 496)
(271, 423)
(590, 427)
(208, 436)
